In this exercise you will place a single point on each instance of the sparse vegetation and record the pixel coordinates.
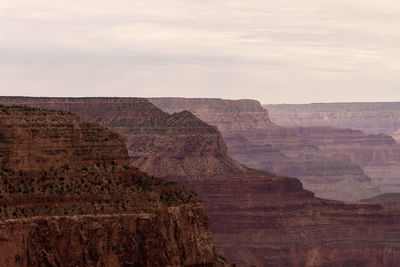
(66, 191)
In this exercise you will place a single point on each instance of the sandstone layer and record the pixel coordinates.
(69, 197)
(255, 216)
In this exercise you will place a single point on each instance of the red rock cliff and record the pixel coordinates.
(256, 216)
(179, 143)
(69, 197)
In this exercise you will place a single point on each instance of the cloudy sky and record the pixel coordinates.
(276, 51)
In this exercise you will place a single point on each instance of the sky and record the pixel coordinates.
(275, 51)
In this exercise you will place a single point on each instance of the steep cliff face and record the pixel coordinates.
(242, 114)
(25, 144)
(183, 146)
(178, 144)
(232, 117)
(69, 197)
(256, 216)
(327, 160)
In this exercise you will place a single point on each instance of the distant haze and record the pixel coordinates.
(281, 51)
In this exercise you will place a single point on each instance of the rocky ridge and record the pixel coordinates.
(255, 216)
(69, 197)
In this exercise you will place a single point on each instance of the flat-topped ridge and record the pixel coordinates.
(197, 105)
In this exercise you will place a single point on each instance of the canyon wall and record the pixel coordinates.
(382, 163)
(70, 197)
(389, 200)
(179, 143)
(371, 118)
(331, 162)
(255, 216)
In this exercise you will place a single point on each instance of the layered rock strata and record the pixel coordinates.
(371, 118)
(326, 160)
(382, 163)
(179, 144)
(389, 200)
(255, 216)
(69, 197)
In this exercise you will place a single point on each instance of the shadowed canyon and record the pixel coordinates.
(255, 216)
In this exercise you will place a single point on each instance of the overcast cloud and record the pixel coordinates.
(283, 51)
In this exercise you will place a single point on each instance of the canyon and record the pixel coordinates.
(335, 163)
(369, 117)
(70, 197)
(382, 165)
(255, 216)
(389, 200)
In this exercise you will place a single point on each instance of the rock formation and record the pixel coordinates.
(389, 200)
(382, 162)
(255, 216)
(327, 160)
(180, 144)
(69, 197)
(371, 118)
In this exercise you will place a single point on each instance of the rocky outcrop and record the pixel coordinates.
(255, 216)
(69, 197)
